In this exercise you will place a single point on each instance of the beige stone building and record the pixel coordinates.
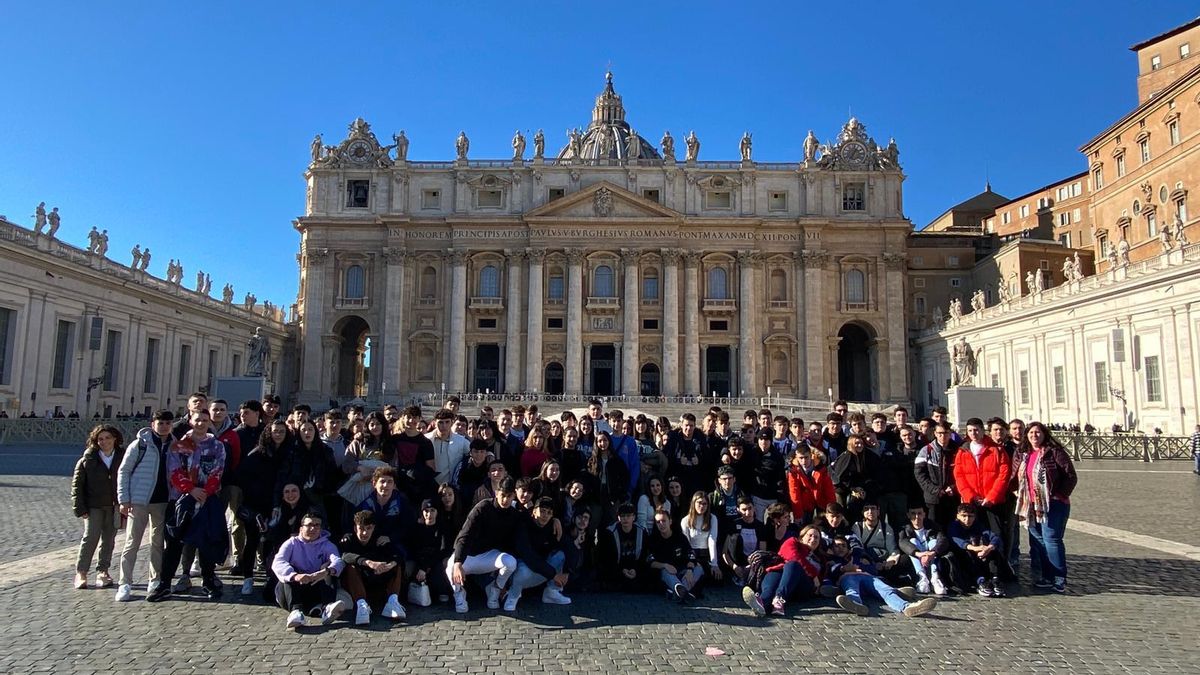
(80, 332)
(614, 266)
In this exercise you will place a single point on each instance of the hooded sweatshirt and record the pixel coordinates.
(297, 556)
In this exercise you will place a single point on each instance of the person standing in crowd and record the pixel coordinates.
(143, 492)
(448, 448)
(1046, 478)
(934, 467)
(981, 470)
(94, 499)
(855, 476)
(256, 475)
(196, 514)
(809, 489)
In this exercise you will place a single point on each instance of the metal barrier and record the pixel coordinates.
(61, 431)
(1147, 448)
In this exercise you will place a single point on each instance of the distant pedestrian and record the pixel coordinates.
(1196, 449)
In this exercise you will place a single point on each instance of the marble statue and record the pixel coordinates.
(1112, 257)
(462, 144)
(604, 143)
(693, 147)
(1029, 282)
(810, 147)
(39, 218)
(668, 147)
(939, 321)
(102, 244)
(1077, 267)
(891, 155)
(93, 240)
(518, 146)
(250, 301)
(315, 147)
(1177, 231)
(978, 301)
(207, 284)
(227, 294)
(258, 351)
(145, 259)
(1068, 270)
(136, 252)
(54, 219)
(1039, 281)
(200, 282)
(1164, 239)
(963, 359)
(745, 146)
(401, 142)
(956, 309)
(1003, 291)
(633, 148)
(575, 143)
(539, 145)
(1123, 252)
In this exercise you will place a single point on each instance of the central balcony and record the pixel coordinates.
(603, 304)
(719, 306)
(486, 304)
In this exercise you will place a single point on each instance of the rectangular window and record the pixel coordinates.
(1155, 62)
(185, 371)
(1024, 210)
(150, 383)
(1152, 224)
(1097, 179)
(1045, 265)
(1173, 131)
(854, 197)
(211, 373)
(112, 360)
(1064, 219)
(919, 304)
(1060, 385)
(1154, 393)
(718, 325)
(1103, 241)
(651, 194)
(555, 193)
(995, 381)
(236, 370)
(649, 288)
(490, 199)
(1185, 50)
(777, 201)
(955, 282)
(8, 328)
(718, 199)
(64, 352)
(1062, 193)
(1118, 345)
(431, 199)
(1024, 387)
(487, 324)
(952, 261)
(554, 322)
(1065, 239)
(649, 324)
(1181, 209)
(1005, 218)
(1120, 165)
(918, 283)
(554, 290)
(1076, 215)
(358, 194)
(95, 334)
(1144, 149)
(1100, 369)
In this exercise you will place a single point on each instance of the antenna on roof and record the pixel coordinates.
(987, 179)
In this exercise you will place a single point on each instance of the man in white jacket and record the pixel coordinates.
(142, 493)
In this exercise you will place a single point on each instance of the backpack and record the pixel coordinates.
(757, 565)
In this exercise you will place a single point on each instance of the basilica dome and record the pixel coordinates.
(609, 135)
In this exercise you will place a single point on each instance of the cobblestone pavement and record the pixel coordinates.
(1130, 609)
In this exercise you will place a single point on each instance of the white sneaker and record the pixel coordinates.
(195, 571)
(511, 600)
(938, 587)
(332, 611)
(124, 593)
(394, 610)
(493, 596)
(460, 600)
(923, 585)
(553, 595)
(295, 619)
(362, 613)
(247, 587)
(183, 584)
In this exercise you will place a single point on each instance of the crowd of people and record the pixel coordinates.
(346, 511)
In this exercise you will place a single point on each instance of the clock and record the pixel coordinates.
(854, 153)
(359, 151)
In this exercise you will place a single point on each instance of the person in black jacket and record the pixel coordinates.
(670, 554)
(483, 546)
(855, 476)
(540, 557)
(310, 465)
(928, 547)
(897, 477)
(429, 546)
(373, 571)
(934, 469)
(770, 474)
(256, 475)
(623, 553)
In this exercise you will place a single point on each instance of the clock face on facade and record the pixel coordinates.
(359, 151)
(854, 152)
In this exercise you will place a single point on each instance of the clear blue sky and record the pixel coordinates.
(175, 123)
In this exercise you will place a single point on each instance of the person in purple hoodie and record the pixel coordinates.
(306, 566)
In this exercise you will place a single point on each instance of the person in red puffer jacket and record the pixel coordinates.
(809, 486)
(981, 472)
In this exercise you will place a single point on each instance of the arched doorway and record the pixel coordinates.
(350, 380)
(487, 367)
(650, 384)
(718, 376)
(604, 362)
(554, 378)
(856, 364)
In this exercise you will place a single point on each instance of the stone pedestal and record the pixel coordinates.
(238, 389)
(1173, 257)
(967, 402)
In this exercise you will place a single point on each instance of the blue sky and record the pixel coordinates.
(186, 126)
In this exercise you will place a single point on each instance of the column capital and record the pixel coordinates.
(575, 256)
(814, 257)
(630, 256)
(670, 256)
(395, 256)
(535, 255)
(749, 258)
(457, 257)
(691, 258)
(514, 257)
(315, 256)
(895, 261)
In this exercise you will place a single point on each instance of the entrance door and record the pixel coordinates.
(650, 380)
(718, 376)
(855, 364)
(487, 367)
(604, 361)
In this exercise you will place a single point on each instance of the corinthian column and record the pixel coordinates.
(393, 323)
(630, 380)
(316, 298)
(819, 380)
(512, 323)
(691, 323)
(458, 321)
(670, 371)
(533, 355)
(748, 312)
(574, 365)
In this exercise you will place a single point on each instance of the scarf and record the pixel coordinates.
(1040, 501)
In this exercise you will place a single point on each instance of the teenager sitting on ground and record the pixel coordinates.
(482, 547)
(623, 552)
(306, 566)
(979, 552)
(926, 545)
(796, 576)
(373, 571)
(672, 558)
(746, 535)
(540, 557)
(851, 571)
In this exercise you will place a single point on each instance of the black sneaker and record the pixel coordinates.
(998, 589)
(681, 592)
(212, 591)
(159, 594)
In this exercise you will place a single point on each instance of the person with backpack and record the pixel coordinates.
(142, 496)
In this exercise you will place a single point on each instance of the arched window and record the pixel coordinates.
(717, 288)
(856, 287)
(489, 282)
(603, 286)
(650, 283)
(356, 282)
(555, 290)
(429, 282)
(778, 285)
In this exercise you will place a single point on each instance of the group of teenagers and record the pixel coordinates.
(350, 511)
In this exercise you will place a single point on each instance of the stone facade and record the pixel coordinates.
(613, 267)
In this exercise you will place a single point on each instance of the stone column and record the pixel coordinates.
(814, 322)
(896, 375)
(748, 314)
(457, 363)
(316, 297)
(392, 306)
(670, 370)
(691, 323)
(630, 380)
(512, 323)
(574, 365)
(802, 338)
(533, 355)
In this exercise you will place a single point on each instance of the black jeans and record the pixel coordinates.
(173, 552)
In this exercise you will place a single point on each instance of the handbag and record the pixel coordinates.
(418, 594)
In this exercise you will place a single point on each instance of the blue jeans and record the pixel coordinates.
(689, 578)
(788, 583)
(1046, 541)
(525, 577)
(858, 585)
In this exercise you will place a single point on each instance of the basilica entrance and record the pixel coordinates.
(487, 368)
(553, 383)
(350, 380)
(856, 364)
(604, 361)
(650, 380)
(717, 373)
